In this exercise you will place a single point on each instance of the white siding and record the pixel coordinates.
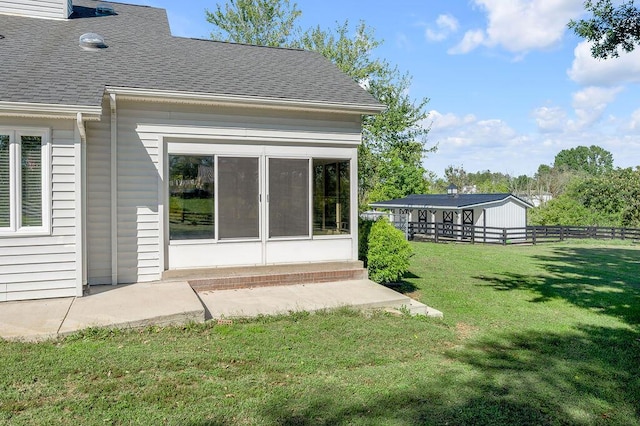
(99, 200)
(507, 214)
(56, 9)
(140, 245)
(46, 266)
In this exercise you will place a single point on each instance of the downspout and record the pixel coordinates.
(82, 131)
(114, 189)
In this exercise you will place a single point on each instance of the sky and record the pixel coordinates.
(509, 86)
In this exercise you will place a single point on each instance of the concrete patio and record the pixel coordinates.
(175, 302)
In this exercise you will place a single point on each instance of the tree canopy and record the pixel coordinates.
(394, 142)
(260, 22)
(610, 28)
(592, 160)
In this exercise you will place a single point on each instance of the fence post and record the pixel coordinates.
(406, 227)
(436, 230)
(534, 236)
(504, 236)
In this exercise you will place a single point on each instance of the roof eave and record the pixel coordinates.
(247, 101)
(38, 110)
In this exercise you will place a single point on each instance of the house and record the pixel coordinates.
(126, 152)
(459, 214)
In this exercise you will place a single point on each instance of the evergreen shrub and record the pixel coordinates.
(388, 253)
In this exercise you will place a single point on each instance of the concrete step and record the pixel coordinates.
(249, 302)
(417, 308)
(269, 276)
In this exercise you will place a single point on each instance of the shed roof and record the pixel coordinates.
(43, 63)
(445, 201)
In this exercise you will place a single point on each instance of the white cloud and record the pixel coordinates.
(492, 144)
(634, 123)
(444, 121)
(521, 25)
(589, 104)
(550, 119)
(445, 26)
(470, 41)
(586, 70)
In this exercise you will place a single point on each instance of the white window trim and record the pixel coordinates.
(216, 152)
(15, 199)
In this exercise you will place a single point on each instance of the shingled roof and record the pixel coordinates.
(43, 63)
(444, 201)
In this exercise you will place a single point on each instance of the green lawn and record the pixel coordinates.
(546, 334)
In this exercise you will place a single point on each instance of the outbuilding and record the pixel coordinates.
(459, 215)
(126, 152)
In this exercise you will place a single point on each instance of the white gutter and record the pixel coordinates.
(27, 109)
(114, 189)
(81, 204)
(81, 128)
(247, 101)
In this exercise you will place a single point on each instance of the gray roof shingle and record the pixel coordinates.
(43, 63)
(445, 201)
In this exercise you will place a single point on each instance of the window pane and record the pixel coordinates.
(31, 164)
(238, 192)
(288, 197)
(5, 207)
(191, 197)
(331, 197)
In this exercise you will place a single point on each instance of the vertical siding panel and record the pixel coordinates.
(507, 214)
(138, 181)
(99, 200)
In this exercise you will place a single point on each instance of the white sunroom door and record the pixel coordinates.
(238, 198)
(289, 198)
(214, 211)
(223, 209)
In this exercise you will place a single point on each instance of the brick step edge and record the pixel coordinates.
(271, 280)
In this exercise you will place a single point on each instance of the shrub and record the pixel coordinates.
(364, 228)
(388, 254)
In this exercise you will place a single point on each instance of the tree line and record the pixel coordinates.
(580, 188)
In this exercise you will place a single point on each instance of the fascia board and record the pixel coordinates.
(37, 110)
(248, 101)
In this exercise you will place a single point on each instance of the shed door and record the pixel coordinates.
(447, 219)
(467, 223)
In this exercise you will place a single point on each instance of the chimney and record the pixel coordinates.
(47, 9)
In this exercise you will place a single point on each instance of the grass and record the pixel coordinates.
(546, 334)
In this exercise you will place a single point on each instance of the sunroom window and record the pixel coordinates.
(23, 175)
(288, 197)
(331, 196)
(218, 197)
(191, 197)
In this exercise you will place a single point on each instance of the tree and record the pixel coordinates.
(564, 210)
(261, 22)
(610, 29)
(593, 160)
(456, 176)
(552, 180)
(394, 142)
